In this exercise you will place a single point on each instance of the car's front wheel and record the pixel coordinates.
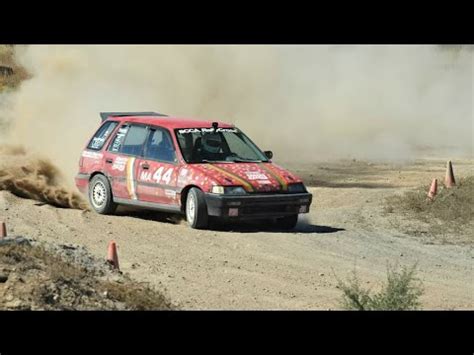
(100, 195)
(196, 209)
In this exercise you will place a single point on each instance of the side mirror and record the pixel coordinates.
(268, 154)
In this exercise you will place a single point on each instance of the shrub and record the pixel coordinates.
(401, 292)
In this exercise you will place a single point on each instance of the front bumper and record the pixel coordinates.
(257, 206)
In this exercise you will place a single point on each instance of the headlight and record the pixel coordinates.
(228, 190)
(296, 188)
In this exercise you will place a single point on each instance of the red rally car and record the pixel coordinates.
(198, 168)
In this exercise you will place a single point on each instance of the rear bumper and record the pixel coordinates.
(257, 206)
(82, 182)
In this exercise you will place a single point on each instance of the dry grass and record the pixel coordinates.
(48, 282)
(451, 212)
(135, 295)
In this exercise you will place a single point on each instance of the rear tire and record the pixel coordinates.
(100, 195)
(196, 209)
(288, 222)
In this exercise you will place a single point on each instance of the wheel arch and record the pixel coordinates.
(184, 195)
(94, 174)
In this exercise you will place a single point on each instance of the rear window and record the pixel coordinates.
(97, 142)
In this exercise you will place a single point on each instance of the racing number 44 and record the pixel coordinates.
(158, 176)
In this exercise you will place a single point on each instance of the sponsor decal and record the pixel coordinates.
(97, 142)
(92, 155)
(182, 177)
(119, 138)
(120, 163)
(256, 175)
(145, 176)
(264, 182)
(231, 130)
(206, 130)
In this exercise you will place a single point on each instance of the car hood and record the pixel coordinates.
(253, 177)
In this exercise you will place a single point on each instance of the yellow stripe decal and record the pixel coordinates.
(247, 186)
(276, 176)
(130, 178)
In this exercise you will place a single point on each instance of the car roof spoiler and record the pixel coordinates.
(105, 115)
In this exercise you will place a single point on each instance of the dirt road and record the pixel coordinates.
(241, 267)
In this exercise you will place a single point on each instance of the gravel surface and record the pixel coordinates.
(244, 267)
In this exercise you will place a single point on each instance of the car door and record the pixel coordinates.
(158, 169)
(121, 159)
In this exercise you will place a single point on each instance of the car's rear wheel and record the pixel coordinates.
(196, 209)
(100, 195)
(288, 222)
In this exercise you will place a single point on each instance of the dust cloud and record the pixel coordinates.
(30, 176)
(308, 103)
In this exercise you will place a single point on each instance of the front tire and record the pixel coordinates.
(196, 209)
(288, 222)
(100, 195)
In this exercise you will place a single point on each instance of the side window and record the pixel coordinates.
(239, 147)
(97, 142)
(133, 143)
(160, 146)
(118, 140)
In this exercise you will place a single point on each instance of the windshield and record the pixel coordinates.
(203, 145)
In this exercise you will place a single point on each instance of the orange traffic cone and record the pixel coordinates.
(3, 230)
(433, 189)
(449, 181)
(112, 256)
